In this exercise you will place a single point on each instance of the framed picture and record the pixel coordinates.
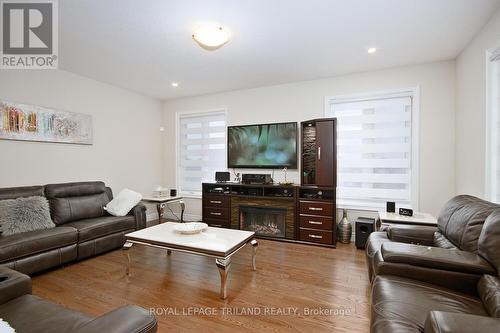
(35, 123)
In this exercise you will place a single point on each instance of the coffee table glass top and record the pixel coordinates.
(215, 241)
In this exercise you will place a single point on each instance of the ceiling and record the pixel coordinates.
(145, 45)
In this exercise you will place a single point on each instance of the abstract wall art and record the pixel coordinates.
(34, 123)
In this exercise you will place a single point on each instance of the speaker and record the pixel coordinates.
(391, 207)
(173, 192)
(364, 227)
(222, 176)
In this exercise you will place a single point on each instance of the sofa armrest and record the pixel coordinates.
(139, 212)
(446, 322)
(462, 282)
(129, 318)
(412, 234)
(437, 258)
(13, 284)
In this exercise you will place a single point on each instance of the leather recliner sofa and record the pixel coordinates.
(27, 313)
(441, 303)
(459, 226)
(83, 227)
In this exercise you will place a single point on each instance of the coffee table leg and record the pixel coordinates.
(223, 266)
(126, 247)
(254, 244)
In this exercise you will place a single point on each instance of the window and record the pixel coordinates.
(201, 148)
(493, 127)
(376, 155)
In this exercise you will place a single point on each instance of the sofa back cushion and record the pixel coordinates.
(76, 201)
(461, 220)
(489, 291)
(489, 240)
(21, 192)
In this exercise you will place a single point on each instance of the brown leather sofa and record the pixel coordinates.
(27, 313)
(83, 229)
(431, 290)
(459, 226)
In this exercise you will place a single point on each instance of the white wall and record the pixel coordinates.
(305, 100)
(471, 109)
(127, 141)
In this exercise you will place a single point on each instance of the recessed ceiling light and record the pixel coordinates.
(211, 36)
(372, 50)
(175, 84)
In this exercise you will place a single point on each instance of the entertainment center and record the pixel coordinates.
(303, 213)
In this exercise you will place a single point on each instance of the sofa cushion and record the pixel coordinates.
(462, 218)
(24, 214)
(76, 201)
(123, 203)
(101, 226)
(402, 305)
(32, 242)
(489, 291)
(41, 316)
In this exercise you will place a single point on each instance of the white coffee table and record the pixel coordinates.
(218, 243)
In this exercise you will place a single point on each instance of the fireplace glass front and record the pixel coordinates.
(264, 221)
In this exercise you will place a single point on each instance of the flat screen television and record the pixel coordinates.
(268, 146)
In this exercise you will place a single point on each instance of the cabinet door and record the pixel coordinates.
(325, 157)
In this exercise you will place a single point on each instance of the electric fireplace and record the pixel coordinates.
(264, 221)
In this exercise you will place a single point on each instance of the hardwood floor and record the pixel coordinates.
(289, 277)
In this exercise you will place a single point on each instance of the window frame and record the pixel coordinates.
(178, 116)
(414, 93)
(492, 117)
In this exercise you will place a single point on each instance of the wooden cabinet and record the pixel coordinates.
(216, 210)
(318, 208)
(316, 222)
(317, 215)
(317, 196)
(316, 236)
(319, 152)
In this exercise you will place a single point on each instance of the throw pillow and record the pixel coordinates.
(24, 214)
(5, 327)
(123, 202)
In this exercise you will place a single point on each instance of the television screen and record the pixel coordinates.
(262, 146)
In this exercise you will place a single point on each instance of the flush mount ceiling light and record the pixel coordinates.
(372, 50)
(210, 36)
(175, 84)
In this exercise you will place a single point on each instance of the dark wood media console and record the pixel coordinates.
(305, 214)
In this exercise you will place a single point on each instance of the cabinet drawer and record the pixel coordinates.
(316, 208)
(316, 236)
(216, 201)
(316, 222)
(217, 223)
(216, 213)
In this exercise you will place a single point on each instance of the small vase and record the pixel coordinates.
(345, 229)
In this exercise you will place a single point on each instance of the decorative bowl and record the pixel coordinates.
(190, 228)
